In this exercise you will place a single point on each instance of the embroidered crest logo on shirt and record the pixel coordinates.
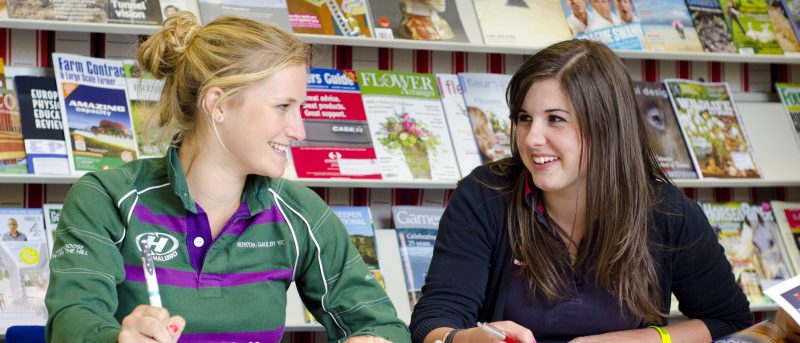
(163, 247)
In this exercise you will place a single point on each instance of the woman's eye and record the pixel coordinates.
(555, 119)
(524, 118)
(283, 108)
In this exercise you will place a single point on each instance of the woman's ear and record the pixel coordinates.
(211, 107)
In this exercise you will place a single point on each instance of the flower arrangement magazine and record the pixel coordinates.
(408, 126)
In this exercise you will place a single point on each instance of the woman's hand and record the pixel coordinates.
(790, 327)
(476, 334)
(151, 324)
(366, 339)
(638, 335)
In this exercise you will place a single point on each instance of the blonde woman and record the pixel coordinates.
(227, 234)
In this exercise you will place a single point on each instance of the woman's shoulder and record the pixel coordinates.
(136, 174)
(675, 214)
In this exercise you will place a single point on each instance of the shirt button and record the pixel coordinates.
(198, 242)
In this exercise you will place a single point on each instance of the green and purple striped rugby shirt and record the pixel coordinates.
(230, 290)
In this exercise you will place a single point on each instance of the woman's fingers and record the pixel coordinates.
(149, 324)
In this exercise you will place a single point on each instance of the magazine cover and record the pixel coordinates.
(750, 27)
(418, 20)
(784, 25)
(24, 272)
(87, 11)
(12, 145)
(792, 8)
(617, 27)
(144, 91)
(763, 332)
(267, 11)
(169, 7)
(464, 146)
(711, 125)
(138, 12)
(97, 117)
(52, 214)
(330, 17)
(668, 25)
(790, 97)
(711, 26)
(485, 96)
(752, 243)
(408, 125)
(338, 143)
(358, 222)
(663, 130)
(416, 228)
(787, 215)
(42, 125)
(506, 22)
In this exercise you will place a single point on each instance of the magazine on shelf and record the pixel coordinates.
(668, 26)
(618, 28)
(750, 27)
(266, 11)
(792, 9)
(438, 20)
(752, 243)
(787, 216)
(455, 110)
(711, 26)
(24, 272)
(787, 296)
(485, 96)
(144, 91)
(663, 130)
(349, 18)
(169, 7)
(52, 214)
(358, 222)
(713, 129)
(338, 143)
(416, 228)
(97, 119)
(77, 11)
(408, 126)
(42, 125)
(12, 145)
(506, 22)
(784, 25)
(790, 97)
(138, 12)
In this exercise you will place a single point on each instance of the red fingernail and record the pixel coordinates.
(173, 328)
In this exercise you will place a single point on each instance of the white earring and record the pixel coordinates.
(218, 119)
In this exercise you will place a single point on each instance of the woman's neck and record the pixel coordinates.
(212, 182)
(567, 209)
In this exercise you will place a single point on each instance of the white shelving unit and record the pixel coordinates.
(404, 43)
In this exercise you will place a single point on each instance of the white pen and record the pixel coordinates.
(150, 275)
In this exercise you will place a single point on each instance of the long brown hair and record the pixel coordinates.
(620, 173)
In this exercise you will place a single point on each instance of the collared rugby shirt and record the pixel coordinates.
(231, 289)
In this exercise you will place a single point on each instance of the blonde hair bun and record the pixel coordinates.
(160, 56)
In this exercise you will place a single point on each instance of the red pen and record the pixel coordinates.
(499, 334)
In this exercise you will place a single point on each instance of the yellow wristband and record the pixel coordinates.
(663, 333)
